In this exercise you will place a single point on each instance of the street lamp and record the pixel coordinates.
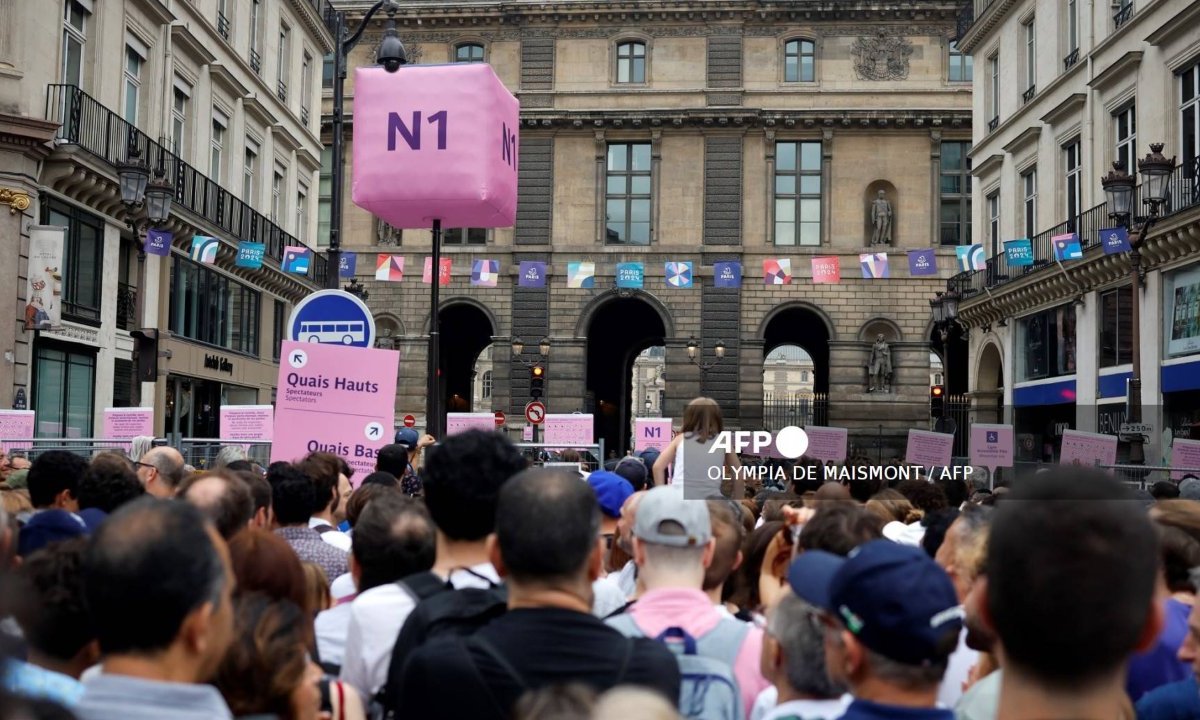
(147, 203)
(944, 308)
(693, 352)
(391, 56)
(518, 350)
(1119, 188)
(356, 289)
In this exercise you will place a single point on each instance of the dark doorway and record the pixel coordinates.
(619, 330)
(466, 332)
(804, 328)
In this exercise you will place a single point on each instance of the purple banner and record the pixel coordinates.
(158, 242)
(532, 274)
(922, 262)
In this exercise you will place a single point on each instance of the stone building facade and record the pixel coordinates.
(702, 132)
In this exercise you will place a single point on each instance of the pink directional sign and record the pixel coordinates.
(435, 141)
(127, 423)
(1087, 449)
(826, 443)
(252, 423)
(16, 425)
(570, 431)
(928, 448)
(992, 445)
(651, 434)
(1185, 454)
(461, 422)
(335, 398)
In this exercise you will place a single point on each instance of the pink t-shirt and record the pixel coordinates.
(691, 610)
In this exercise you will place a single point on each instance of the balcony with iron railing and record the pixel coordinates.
(1122, 16)
(1028, 94)
(1070, 60)
(88, 124)
(1183, 193)
(993, 123)
(255, 61)
(126, 306)
(281, 91)
(223, 25)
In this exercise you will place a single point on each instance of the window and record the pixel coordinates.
(1047, 344)
(217, 149)
(803, 376)
(211, 308)
(993, 96)
(631, 62)
(1116, 327)
(277, 195)
(799, 61)
(278, 328)
(83, 260)
(325, 196)
(1072, 25)
(224, 12)
(255, 19)
(798, 193)
(179, 115)
(487, 384)
(305, 87)
(1030, 58)
(248, 168)
(1123, 10)
(956, 194)
(327, 71)
(302, 215)
(1125, 124)
(1073, 163)
(1029, 185)
(284, 61)
(993, 207)
(64, 391)
(469, 53)
(74, 41)
(134, 60)
(1189, 115)
(961, 69)
(627, 194)
(465, 236)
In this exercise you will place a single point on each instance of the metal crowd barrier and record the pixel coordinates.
(540, 454)
(88, 447)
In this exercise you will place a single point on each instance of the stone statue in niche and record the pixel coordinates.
(384, 339)
(880, 367)
(881, 220)
(386, 234)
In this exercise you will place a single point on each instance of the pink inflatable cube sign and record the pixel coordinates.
(435, 142)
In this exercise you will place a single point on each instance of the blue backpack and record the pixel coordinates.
(708, 689)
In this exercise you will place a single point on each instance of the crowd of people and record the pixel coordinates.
(457, 581)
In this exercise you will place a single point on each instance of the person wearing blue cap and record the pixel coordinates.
(892, 620)
(612, 491)
(413, 443)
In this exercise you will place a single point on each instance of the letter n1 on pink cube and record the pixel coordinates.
(435, 142)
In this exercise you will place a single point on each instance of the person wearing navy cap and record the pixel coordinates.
(892, 620)
(414, 443)
(612, 491)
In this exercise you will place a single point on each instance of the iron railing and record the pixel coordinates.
(1070, 60)
(1183, 191)
(993, 123)
(223, 25)
(966, 17)
(1122, 16)
(1028, 94)
(281, 92)
(126, 306)
(798, 409)
(255, 61)
(94, 128)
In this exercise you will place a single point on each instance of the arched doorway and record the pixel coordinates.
(617, 332)
(796, 335)
(470, 333)
(990, 374)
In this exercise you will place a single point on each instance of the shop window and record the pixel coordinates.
(64, 391)
(1047, 344)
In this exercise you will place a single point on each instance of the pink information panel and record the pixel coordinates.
(335, 398)
(826, 443)
(651, 434)
(991, 445)
(928, 448)
(435, 141)
(127, 423)
(570, 431)
(461, 422)
(1087, 449)
(1184, 454)
(15, 425)
(253, 423)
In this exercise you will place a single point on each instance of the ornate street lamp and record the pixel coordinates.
(693, 352)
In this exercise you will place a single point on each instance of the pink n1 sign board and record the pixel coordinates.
(461, 422)
(1087, 449)
(16, 425)
(252, 423)
(992, 446)
(435, 142)
(928, 449)
(651, 434)
(334, 398)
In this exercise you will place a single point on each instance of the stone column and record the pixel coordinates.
(935, 185)
(750, 379)
(826, 184)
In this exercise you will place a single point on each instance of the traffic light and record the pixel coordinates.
(937, 400)
(146, 347)
(537, 381)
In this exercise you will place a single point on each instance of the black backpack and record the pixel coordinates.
(441, 610)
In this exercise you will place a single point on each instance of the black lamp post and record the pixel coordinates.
(944, 308)
(518, 350)
(147, 203)
(1119, 187)
(693, 353)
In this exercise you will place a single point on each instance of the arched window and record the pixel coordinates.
(799, 61)
(487, 384)
(631, 62)
(468, 53)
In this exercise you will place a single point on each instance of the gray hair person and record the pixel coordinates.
(228, 454)
(793, 660)
(139, 446)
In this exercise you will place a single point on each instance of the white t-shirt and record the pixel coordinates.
(376, 617)
(331, 628)
(810, 709)
(336, 538)
(957, 669)
(342, 586)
